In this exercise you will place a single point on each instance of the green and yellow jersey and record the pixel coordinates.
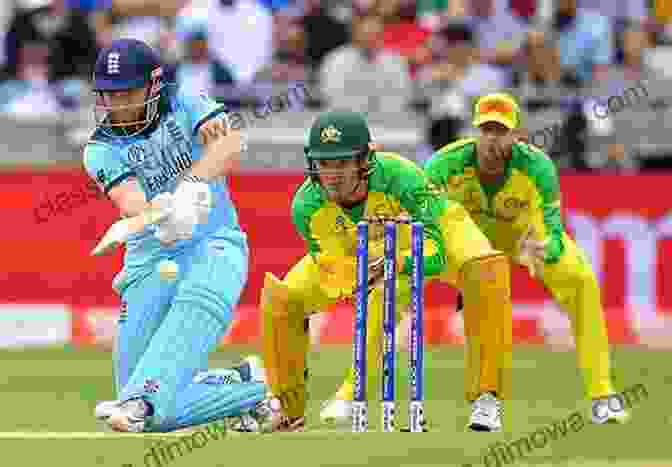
(397, 187)
(528, 195)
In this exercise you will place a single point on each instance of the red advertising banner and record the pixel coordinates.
(52, 220)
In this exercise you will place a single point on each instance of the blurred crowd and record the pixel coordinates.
(428, 57)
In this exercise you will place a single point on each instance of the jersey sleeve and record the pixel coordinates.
(104, 165)
(301, 216)
(417, 197)
(446, 163)
(200, 108)
(543, 173)
(439, 169)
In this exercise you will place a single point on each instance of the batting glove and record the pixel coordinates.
(190, 205)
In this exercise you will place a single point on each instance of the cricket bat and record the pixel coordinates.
(219, 160)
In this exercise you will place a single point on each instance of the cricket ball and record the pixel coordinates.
(168, 270)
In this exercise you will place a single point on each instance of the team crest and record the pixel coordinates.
(515, 204)
(456, 180)
(330, 134)
(151, 386)
(136, 155)
(113, 67)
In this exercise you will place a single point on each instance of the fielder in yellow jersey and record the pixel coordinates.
(348, 180)
(511, 190)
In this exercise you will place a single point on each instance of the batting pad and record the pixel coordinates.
(486, 285)
(284, 343)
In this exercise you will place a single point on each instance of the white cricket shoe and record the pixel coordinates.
(486, 414)
(252, 369)
(337, 412)
(126, 416)
(246, 423)
(610, 410)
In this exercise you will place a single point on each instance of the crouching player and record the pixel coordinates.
(147, 138)
(349, 180)
(511, 190)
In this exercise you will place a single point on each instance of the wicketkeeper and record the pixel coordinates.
(512, 192)
(348, 180)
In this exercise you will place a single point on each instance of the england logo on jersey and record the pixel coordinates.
(113, 67)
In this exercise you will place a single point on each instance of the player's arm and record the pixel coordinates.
(544, 174)
(114, 178)
(445, 164)
(210, 127)
(420, 200)
(128, 197)
(337, 268)
(438, 171)
(301, 220)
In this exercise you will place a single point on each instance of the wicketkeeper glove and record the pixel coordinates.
(531, 252)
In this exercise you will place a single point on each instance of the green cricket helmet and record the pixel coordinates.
(338, 135)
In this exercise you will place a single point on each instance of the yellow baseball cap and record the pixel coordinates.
(498, 107)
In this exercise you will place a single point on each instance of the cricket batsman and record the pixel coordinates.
(348, 180)
(512, 192)
(148, 136)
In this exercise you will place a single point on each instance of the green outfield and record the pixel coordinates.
(48, 398)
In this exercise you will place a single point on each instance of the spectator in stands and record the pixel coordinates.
(28, 93)
(433, 14)
(636, 42)
(289, 52)
(453, 80)
(325, 29)
(240, 37)
(402, 34)
(618, 159)
(71, 41)
(194, 69)
(364, 77)
(662, 10)
(585, 43)
(618, 10)
(541, 64)
(525, 9)
(500, 34)
(6, 12)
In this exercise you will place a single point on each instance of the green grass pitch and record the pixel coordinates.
(48, 397)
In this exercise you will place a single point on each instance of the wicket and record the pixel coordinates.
(416, 345)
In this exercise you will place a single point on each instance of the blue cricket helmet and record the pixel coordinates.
(125, 65)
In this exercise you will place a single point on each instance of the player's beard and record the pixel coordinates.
(493, 159)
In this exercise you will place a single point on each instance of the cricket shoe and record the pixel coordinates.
(610, 409)
(251, 370)
(245, 423)
(126, 416)
(486, 414)
(271, 418)
(337, 412)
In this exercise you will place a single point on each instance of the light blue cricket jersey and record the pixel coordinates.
(156, 158)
